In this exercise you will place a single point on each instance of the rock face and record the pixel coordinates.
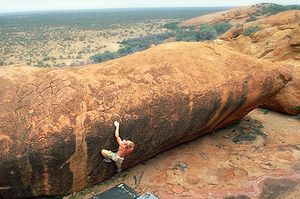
(288, 99)
(54, 122)
(282, 18)
(278, 41)
(225, 164)
(235, 16)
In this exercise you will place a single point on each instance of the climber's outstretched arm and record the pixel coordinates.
(117, 133)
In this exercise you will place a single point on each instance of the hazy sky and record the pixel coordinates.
(30, 5)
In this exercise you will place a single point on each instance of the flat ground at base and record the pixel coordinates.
(258, 157)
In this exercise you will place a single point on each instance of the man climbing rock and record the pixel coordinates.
(125, 148)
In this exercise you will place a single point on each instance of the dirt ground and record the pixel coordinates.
(258, 157)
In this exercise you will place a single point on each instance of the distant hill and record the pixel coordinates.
(282, 18)
(240, 15)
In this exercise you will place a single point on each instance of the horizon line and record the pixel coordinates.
(123, 8)
(111, 8)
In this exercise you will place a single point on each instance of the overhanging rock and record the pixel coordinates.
(54, 122)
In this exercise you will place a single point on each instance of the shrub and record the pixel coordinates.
(130, 46)
(101, 57)
(271, 9)
(221, 28)
(67, 38)
(264, 111)
(249, 31)
(142, 43)
(233, 125)
(187, 36)
(47, 58)
(40, 64)
(171, 26)
(251, 18)
(206, 32)
(1, 62)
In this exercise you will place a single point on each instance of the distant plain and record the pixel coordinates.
(70, 38)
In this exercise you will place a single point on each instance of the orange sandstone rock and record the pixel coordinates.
(278, 41)
(55, 121)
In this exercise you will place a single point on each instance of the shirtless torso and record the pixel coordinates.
(125, 148)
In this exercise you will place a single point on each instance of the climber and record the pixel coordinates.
(125, 148)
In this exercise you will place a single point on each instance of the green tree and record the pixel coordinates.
(187, 35)
(221, 28)
(206, 32)
(101, 57)
(249, 31)
(40, 64)
(251, 18)
(47, 58)
(171, 26)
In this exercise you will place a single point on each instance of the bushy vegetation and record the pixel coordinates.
(233, 125)
(189, 34)
(264, 111)
(40, 64)
(101, 57)
(171, 26)
(221, 28)
(249, 31)
(47, 58)
(271, 9)
(246, 134)
(205, 32)
(251, 18)
(142, 43)
(129, 46)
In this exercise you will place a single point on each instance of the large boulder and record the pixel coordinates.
(54, 122)
(232, 33)
(278, 41)
(288, 99)
(273, 43)
(271, 25)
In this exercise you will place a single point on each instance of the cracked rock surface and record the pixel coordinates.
(266, 167)
(55, 121)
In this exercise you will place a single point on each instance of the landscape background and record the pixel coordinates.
(80, 37)
(258, 156)
(70, 38)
